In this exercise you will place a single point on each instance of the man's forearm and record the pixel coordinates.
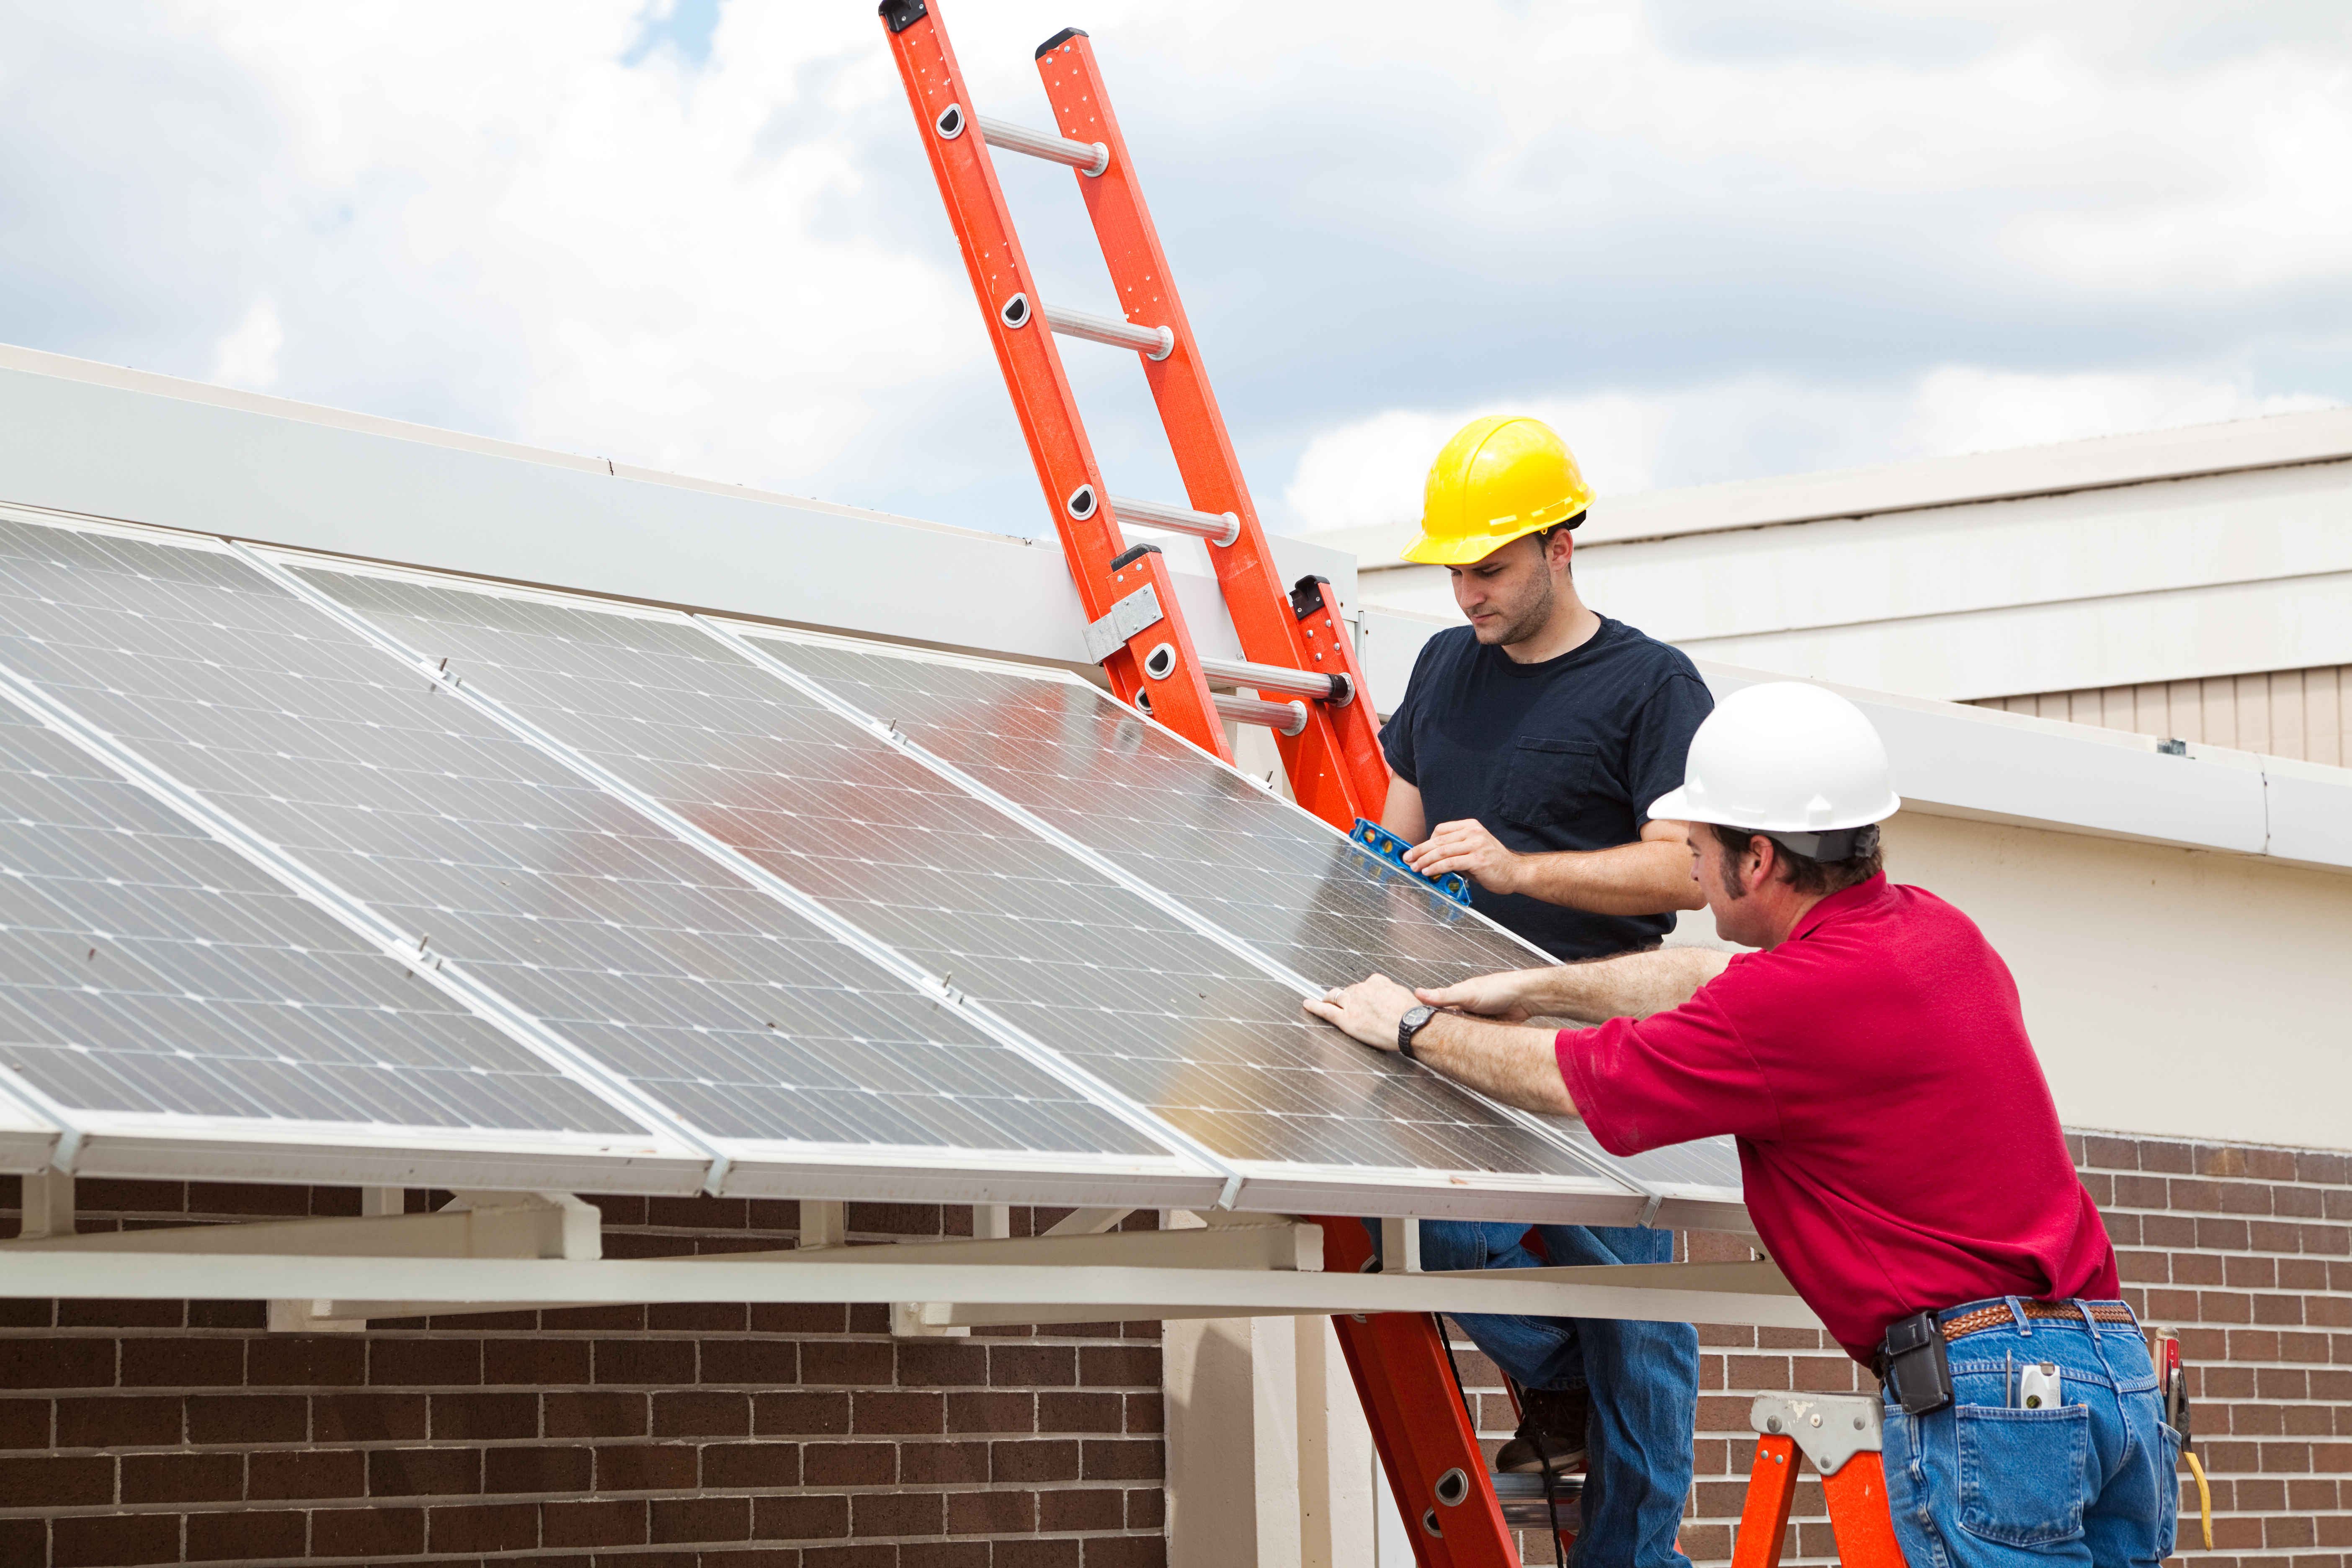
(1647, 877)
(1504, 1061)
(1632, 986)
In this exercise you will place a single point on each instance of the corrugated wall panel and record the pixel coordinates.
(2302, 713)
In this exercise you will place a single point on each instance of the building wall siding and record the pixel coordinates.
(2247, 1252)
(719, 1436)
(2300, 713)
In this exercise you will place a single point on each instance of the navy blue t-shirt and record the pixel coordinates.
(1563, 755)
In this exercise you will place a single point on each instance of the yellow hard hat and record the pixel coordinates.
(1499, 479)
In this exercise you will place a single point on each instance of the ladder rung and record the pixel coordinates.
(1085, 157)
(1216, 527)
(1267, 677)
(1287, 717)
(1155, 343)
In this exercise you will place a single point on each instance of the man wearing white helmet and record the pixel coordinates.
(1902, 1155)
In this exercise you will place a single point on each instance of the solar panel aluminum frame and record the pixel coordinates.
(28, 1140)
(136, 1145)
(1185, 1176)
(1670, 1203)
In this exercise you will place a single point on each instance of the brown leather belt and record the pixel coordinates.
(1997, 1315)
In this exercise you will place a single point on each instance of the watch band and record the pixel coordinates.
(1415, 1019)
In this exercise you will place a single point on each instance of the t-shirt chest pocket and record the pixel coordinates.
(1550, 781)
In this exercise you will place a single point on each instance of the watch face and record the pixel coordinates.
(1414, 1018)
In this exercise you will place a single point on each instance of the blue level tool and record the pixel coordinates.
(1388, 850)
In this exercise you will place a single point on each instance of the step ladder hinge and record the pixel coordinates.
(1306, 598)
(900, 14)
(1136, 613)
(1086, 157)
(1152, 343)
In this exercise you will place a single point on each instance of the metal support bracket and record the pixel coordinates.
(1828, 1429)
(1136, 613)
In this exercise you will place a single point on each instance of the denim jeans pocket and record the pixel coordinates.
(2022, 1472)
(2168, 1492)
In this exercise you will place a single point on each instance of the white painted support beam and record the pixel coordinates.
(484, 1225)
(1709, 1293)
(1400, 1246)
(1088, 1222)
(992, 1221)
(822, 1224)
(378, 1202)
(49, 1206)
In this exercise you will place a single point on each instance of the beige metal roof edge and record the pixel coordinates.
(2102, 462)
(122, 378)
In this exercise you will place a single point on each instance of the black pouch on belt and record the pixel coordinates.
(1919, 1366)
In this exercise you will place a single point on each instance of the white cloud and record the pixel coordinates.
(1369, 471)
(248, 356)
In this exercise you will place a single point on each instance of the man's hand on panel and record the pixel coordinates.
(1466, 845)
(1502, 997)
(1369, 1010)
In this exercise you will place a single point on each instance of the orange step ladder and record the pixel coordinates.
(1297, 655)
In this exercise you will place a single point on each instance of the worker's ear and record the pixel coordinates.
(1757, 866)
(1559, 549)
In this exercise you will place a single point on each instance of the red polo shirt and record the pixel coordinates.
(1898, 1140)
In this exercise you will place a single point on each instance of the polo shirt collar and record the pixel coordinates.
(1851, 901)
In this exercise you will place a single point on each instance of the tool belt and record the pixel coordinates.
(1911, 1359)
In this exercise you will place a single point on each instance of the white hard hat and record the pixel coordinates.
(1789, 759)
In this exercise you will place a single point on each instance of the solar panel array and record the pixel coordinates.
(302, 859)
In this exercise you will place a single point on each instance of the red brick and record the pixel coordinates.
(875, 1556)
(1147, 1508)
(543, 1360)
(246, 1534)
(182, 1477)
(1058, 1553)
(1105, 1366)
(481, 1417)
(854, 1362)
(895, 1513)
(1127, 1551)
(95, 1314)
(882, 1412)
(483, 1527)
(1090, 1507)
(767, 1361)
(591, 1319)
(109, 1541)
(1122, 1461)
(335, 1418)
(752, 1465)
(50, 1481)
(536, 1470)
(173, 1363)
(699, 1415)
(1033, 1462)
(106, 1423)
(943, 1554)
(304, 1361)
(793, 1413)
(991, 1513)
(798, 1317)
(284, 1473)
(597, 1416)
(942, 1464)
(1032, 1366)
(1144, 1413)
(701, 1519)
(599, 1523)
(849, 1464)
(645, 1361)
(801, 1518)
(425, 1472)
(647, 1466)
(1082, 1412)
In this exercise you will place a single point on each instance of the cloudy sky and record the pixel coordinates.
(1708, 239)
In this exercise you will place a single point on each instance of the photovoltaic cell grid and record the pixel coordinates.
(1255, 865)
(1165, 1016)
(147, 968)
(1235, 854)
(744, 1019)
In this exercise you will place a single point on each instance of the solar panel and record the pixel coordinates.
(814, 1070)
(1164, 1015)
(159, 989)
(1235, 854)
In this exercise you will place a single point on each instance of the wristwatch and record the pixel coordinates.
(1415, 1019)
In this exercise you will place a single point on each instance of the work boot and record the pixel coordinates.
(1550, 1434)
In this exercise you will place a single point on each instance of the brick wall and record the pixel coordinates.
(668, 1436)
(2247, 1252)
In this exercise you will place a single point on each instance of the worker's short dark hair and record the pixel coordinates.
(1803, 872)
(1542, 536)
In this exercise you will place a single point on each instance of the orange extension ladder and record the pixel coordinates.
(1296, 653)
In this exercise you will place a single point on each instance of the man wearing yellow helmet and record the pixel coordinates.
(1523, 752)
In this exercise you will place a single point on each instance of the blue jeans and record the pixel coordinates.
(1643, 1377)
(1982, 1484)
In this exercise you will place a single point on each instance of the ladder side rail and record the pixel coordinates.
(1042, 398)
(1336, 766)
(1859, 1517)
(1764, 1516)
(1420, 1426)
